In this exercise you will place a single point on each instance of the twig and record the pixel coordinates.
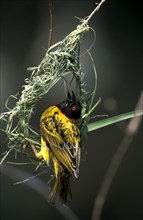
(38, 185)
(95, 10)
(51, 24)
(130, 131)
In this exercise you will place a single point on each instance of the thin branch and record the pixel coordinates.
(95, 10)
(130, 131)
(51, 24)
(37, 185)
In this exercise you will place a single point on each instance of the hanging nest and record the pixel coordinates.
(60, 59)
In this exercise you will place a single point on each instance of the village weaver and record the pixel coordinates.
(60, 143)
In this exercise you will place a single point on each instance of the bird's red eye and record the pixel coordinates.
(74, 108)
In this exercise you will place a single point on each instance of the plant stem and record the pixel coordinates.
(117, 159)
(95, 10)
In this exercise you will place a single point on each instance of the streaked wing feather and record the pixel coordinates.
(68, 153)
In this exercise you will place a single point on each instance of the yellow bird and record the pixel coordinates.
(60, 143)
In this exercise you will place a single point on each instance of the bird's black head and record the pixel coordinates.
(70, 107)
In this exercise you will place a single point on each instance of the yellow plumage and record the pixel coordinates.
(60, 143)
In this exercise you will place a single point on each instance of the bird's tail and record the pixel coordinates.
(61, 191)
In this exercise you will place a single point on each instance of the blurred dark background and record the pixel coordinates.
(118, 57)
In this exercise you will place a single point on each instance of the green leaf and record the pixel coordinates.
(108, 121)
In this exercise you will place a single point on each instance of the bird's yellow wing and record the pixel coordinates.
(63, 138)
